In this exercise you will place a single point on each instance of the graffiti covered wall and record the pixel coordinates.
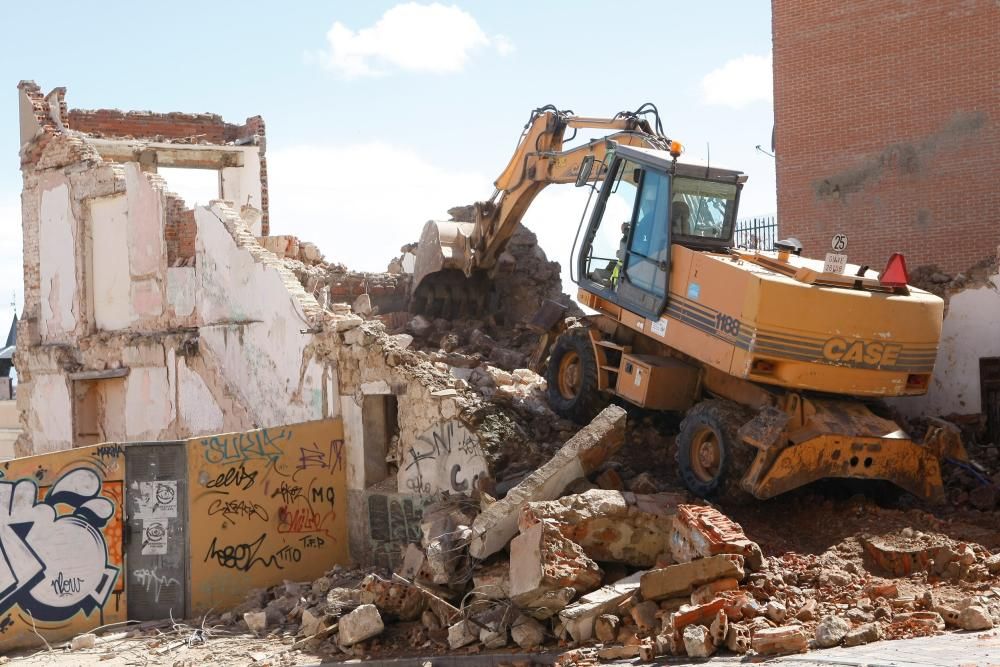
(265, 506)
(61, 544)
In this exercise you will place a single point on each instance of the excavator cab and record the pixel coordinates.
(646, 203)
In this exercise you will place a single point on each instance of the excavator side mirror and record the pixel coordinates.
(586, 167)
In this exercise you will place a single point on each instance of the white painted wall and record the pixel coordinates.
(111, 278)
(57, 235)
(52, 426)
(180, 290)
(149, 405)
(241, 185)
(198, 410)
(969, 333)
(251, 326)
(446, 457)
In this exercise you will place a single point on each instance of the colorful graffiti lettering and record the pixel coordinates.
(301, 520)
(256, 445)
(55, 565)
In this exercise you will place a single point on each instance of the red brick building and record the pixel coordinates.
(887, 128)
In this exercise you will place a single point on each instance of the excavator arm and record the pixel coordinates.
(473, 246)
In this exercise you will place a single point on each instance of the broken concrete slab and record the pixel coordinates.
(527, 632)
(462, 634)
(543, 564)
(681, 579)
(578, 619)
(363, 623)
(701, 531)
(615, 526)
(864, 634)
(581, 455)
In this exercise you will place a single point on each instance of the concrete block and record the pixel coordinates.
(702, 531)
(681, 579)
(543, 564)
(719, 628)
(492, 581)
(606, 627)
(396, 599)
(772, 641)
(580, 456)
(312, 622)
(84, 641)
(363, 623)
(644, 615)
(611, 526)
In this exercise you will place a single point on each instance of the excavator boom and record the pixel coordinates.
(451, 252)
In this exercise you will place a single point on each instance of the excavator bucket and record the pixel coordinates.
(444, 283)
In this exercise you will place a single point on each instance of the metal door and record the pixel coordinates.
(156, 530)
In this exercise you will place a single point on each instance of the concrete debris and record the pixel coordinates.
(774, 641)
(462, 634)
(698, 641)
(830, 631)
(580, 456)
(527, 632)
(361, 624)
(678, 580)
(544, 565)
(703, 531)
(256, 621)
(578, 619)
(616, 526)
(865, 634)
(84, 641)
(606, 627)
(738, 638)
(976, 618)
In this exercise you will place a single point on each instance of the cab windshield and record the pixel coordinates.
(702, 208)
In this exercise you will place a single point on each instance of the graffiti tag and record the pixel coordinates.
(301, 520)
(312, 541)
(445, 447)
(330, 457)
(240, 556)
(152, 581)
(289, 494)
(240, 509)
(236, 476)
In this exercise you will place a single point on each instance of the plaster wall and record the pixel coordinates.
(253, 327)
(241, 185)
(51, 427)
(149, 408)
(111, 278)
(197, 408)
(57, 242)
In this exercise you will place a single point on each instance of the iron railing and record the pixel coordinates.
(756, 233)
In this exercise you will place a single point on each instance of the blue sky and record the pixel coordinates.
(382, 115)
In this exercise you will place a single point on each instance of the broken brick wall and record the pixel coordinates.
(887, 128)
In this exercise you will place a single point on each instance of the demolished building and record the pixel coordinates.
(149, 320)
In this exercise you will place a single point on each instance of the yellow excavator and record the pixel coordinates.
(779, 362)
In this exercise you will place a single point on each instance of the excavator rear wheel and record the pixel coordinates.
(572, 378)
(711, 458)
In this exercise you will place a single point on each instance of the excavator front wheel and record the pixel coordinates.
(711, 458)
(572, 378)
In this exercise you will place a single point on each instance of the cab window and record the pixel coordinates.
(607, 245)
(703, 209)
(649, 250)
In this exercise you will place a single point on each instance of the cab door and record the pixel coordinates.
(643, 284)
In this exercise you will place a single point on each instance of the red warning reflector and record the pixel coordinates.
(895, 274)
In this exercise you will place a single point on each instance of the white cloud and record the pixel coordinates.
(412, 37)
(739, 82)
(360, 203)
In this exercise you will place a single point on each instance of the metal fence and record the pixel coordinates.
(756, 233)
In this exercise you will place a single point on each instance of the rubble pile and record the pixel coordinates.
(608, 574)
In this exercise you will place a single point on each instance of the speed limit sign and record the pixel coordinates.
(839, 243)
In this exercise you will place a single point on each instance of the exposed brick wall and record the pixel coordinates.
(179, 232)
(887, 127)
(176, 127)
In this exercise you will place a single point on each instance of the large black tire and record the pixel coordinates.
(572, 378)
(711, 458)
